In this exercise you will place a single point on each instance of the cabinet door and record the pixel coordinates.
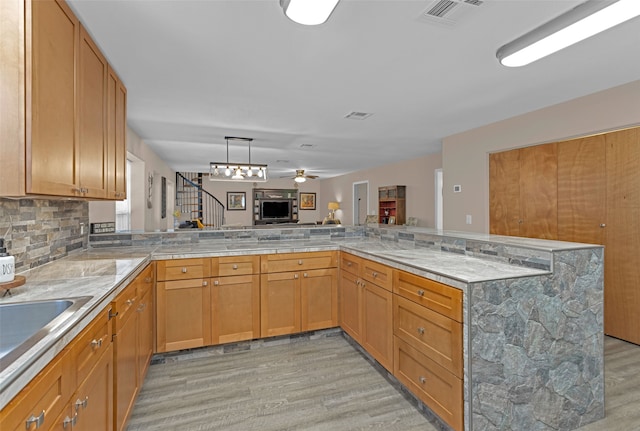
(539, 191)
(51, 145)
(92, 118)
(279, 304)
(582, 190)
(319, 299)
(183, 314)
(93, 401)
(504, 193)
(125, 370)
(116, 158)
(351, 305)
(236, 308)
(622, 271)
(377, 323)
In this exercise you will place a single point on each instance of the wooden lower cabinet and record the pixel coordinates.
(351, 305)
(183, 314)
(235, 308)
(146, 317)
(319, 299)
(377, 323)
(435, 386)
(279, 304)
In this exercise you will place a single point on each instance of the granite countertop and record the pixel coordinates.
(103, 272)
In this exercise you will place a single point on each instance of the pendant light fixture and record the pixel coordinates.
(227, 171)
(581, 22)
(308, 12)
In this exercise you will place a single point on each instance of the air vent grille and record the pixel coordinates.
(442, 8)
(474, 2)
(355, 115)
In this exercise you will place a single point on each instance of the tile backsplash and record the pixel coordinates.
(38, 231)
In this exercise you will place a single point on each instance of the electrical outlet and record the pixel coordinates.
(457, 188)
(468, 218)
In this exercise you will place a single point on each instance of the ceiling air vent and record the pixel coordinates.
(447, 11)
(355, 115)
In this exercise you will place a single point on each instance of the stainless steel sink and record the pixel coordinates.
(24, 324)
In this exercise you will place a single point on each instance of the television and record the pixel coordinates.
(275, 209)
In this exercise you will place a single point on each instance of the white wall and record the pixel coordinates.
(416, 174)
(465, 156)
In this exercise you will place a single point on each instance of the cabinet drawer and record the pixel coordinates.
(350, 263)
(90, 345)
(299, 261)
(124, 306)
(434, 335)
(43, 398)
(377, 273)
(438, 297)
(436, 387)
(183, 269)
(145, 280)
(235, 265)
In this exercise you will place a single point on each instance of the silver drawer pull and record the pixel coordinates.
(348, 263)
(420, 292)
(421, 331)
(296, 276)
(96, 344)
(70, 421)
(305, 275)
(147, 279)
(205, 283)
(235, 267)
(216, 282)
(38, 420)
(300, 262)
(184, 270)
(374, 274)
(82, 403)
(141, 307)
(130, 301)
(423, 380)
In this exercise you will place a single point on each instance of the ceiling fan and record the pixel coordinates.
(300, 177)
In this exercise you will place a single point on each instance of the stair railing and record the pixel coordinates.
(194, 202)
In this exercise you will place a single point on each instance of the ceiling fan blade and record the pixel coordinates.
(312, 177)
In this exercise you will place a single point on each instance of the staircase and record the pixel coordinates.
(196, 203)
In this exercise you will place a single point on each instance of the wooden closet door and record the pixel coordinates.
(539, 191)
(622, 271)
(504, 193)
(582, 190)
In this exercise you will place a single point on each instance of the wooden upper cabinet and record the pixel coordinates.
(582, 190)
(116, 148)
(54, 131)
(51, 144)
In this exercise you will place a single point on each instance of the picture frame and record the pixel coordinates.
(307, 201)
(236, 201)
(392, 220)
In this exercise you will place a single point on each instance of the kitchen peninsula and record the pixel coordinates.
(531, 310)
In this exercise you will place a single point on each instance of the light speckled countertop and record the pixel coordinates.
(103, 272)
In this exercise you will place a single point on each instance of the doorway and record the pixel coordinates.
(438, 194)
(360, 202)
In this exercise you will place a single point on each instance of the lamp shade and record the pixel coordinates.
(333, 206)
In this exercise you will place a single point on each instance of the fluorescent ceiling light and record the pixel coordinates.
(308, 12)
(583, 21)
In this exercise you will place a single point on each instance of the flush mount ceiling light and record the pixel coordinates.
(227, 171)
(308, 12)
(583, 21)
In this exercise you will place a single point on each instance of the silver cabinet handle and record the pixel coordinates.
(423, 380)
(96, 344)
(70, 421)
(141, 307)
(33, 419)
(296, 276)
(216, 283)
(235, 267)
(82, 403)
(147, 279)
(374, 274)
(205, 283)
(305, 275)
(421, 331)
(420, 292)
(300, 262)
(603, 225)
(130, 301)
(348, 263)
(184, 270)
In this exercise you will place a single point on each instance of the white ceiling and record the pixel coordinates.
(197, 71)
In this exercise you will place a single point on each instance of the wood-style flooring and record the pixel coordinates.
(321, 384)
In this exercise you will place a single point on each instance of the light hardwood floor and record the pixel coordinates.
(322, 384)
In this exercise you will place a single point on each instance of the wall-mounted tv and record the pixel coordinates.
(275, 209)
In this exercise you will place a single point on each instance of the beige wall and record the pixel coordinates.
(417, 174)
(465, 158)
